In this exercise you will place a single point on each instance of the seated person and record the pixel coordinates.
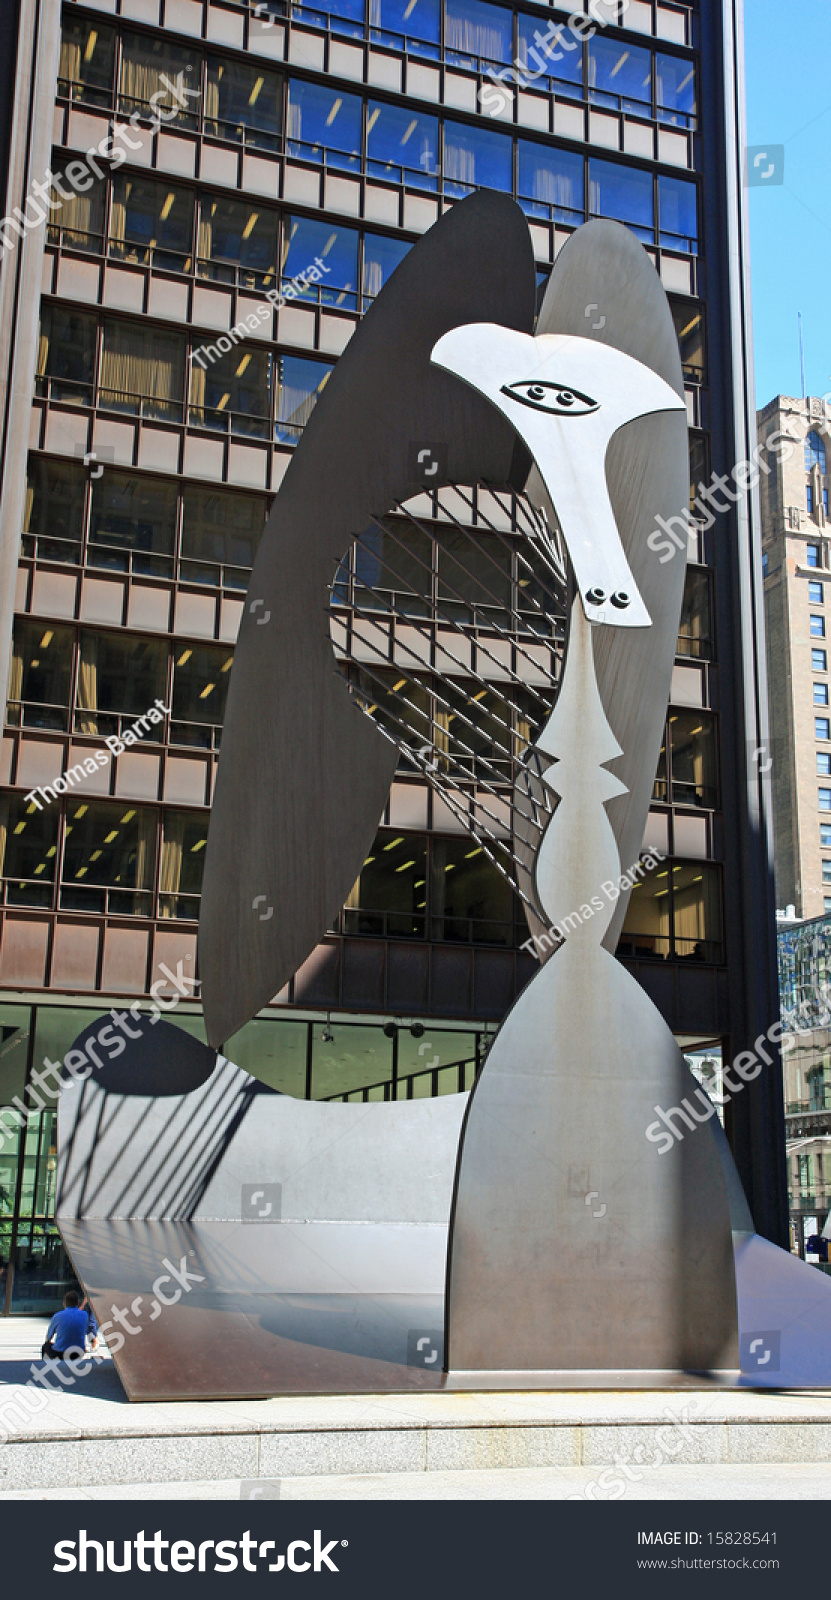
(67, 1332)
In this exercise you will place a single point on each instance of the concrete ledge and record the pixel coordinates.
(548, 1435)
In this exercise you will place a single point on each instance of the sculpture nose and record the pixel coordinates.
(596, 596)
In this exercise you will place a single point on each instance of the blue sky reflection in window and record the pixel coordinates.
(322, 119)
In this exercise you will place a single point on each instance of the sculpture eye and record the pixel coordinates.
(551, 397)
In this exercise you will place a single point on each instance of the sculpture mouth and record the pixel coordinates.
(556, 399)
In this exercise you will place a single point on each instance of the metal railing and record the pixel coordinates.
(466, 1072)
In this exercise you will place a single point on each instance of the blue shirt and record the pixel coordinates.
(69, 1328)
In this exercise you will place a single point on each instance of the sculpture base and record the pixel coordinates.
(316, 1308)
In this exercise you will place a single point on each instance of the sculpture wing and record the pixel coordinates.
(304, 775)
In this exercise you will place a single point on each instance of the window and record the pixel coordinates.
(542, 58)
(151, 223)
(40, 675)
(676, 911)
(826, 872)
(133, 522)
(819, 660)
(469, 899)
(812, 555)
(476, 157)
(815, 594)
(689, 328)
(108, 849)
(402, 145)
(620, 75)
(28, 848)
(54, 515)
(764, 563)
(825, 835)
(304, 241)
(341, 16)
(817, 624)
(550, 182)
(66, 354)
(678, 214)
(809, 498)
(237, 243)
(299, 382)
(824, 799)
(232, 392)
(390, 896)
(693, 758)
(381, 257)
(473, 573)
(825, 500)
(86, 63)
(184, 838)
(820, 694)
(243, 103)
(412, 24)
(321, 119)
(119, 676)
(472, 735)
(823, 764)
(380, 692)
(142, 371)
(675, 85)
(477, 34)
(393, 567)
(201, 675)
(78, 218)
(822, 728)
(623, 193)
(814, 452)
(150, 67)
(220, 534)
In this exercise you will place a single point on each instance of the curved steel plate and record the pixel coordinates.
(304, 775)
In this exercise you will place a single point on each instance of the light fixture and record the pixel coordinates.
(394, 843)
(47, 639)
(390, 1030)
(81, 812)
(327, 1036)
(128, 816)
(208, 689)
(113, 834)
(417, 1030)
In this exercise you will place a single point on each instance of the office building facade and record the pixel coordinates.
(230, 186)
(804, 976)
(796, 577)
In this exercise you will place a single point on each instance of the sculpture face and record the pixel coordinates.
(566, 397)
